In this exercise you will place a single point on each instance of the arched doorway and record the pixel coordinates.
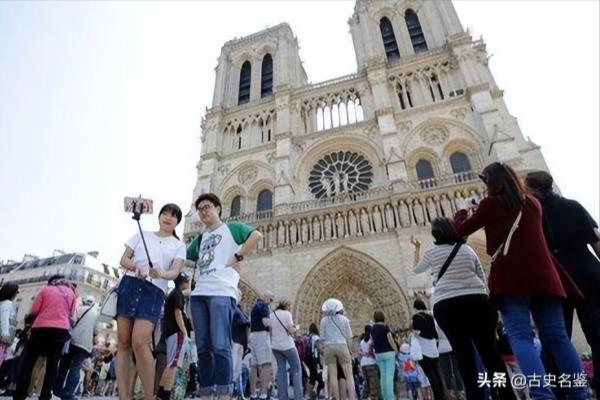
(249, 295)
(360, 282)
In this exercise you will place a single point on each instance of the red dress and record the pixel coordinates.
(527, 269)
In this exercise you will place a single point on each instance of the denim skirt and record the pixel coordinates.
(139, 299)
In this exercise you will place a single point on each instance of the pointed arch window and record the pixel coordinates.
(389, 39)
(425, 174)
(244, 89)
(264, 204)
(266, 82)
(415, 31)
(236, 206)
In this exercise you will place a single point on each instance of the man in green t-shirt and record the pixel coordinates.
(217, 254)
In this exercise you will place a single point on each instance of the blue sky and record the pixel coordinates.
(99, 100)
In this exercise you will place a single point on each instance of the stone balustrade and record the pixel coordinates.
(443, 181)
(330, 82)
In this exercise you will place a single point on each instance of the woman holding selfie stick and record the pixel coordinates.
(141, 294)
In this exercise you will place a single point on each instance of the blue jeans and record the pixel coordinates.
(69, 372)
(283, 359)
(387, 364)
(548, 317)
(211, 316)
(244, 378)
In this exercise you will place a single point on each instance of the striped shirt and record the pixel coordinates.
(464, 275)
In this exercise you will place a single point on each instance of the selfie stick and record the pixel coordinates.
(136, 216)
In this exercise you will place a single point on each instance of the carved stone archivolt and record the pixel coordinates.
(360, 282)
(249, 295)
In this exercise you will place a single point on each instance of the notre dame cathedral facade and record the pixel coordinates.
(338, 175)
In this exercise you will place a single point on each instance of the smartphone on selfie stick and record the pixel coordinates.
(139, 206)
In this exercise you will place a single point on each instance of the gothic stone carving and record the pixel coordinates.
(248, 174)
(435, 135)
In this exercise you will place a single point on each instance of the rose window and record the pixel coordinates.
(340, 173)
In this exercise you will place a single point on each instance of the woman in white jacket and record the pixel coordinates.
(8, 322)
(80, 348)
(335, 333)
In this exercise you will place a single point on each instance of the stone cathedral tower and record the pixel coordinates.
(338, 175)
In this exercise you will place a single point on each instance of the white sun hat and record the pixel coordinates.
(332, 306)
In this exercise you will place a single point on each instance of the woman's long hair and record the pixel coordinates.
(8, 291)
(283, 305)
(501, 180)
(367, 335)
(175, 211)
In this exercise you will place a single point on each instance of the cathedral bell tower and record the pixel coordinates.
(255, 76)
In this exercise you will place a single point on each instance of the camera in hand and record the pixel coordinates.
(473, 201)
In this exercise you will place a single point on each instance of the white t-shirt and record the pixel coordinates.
(213, 276)
(280, 339)
(366, 360)
(163, 251)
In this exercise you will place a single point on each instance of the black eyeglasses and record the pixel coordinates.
(204, 208)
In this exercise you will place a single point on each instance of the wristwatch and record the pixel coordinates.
(239, 257)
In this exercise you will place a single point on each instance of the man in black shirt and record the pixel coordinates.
(569, 229)
(260, 344)
(175, 332)
(424, 326)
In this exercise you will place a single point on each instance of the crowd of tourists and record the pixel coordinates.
(503, 334)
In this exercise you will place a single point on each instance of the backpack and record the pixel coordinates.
(304, 347)
(408, 366)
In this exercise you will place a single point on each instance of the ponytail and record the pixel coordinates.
(175, 234)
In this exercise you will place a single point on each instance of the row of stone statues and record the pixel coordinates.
(361, 221)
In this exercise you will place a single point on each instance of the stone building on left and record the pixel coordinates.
(85, 270)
